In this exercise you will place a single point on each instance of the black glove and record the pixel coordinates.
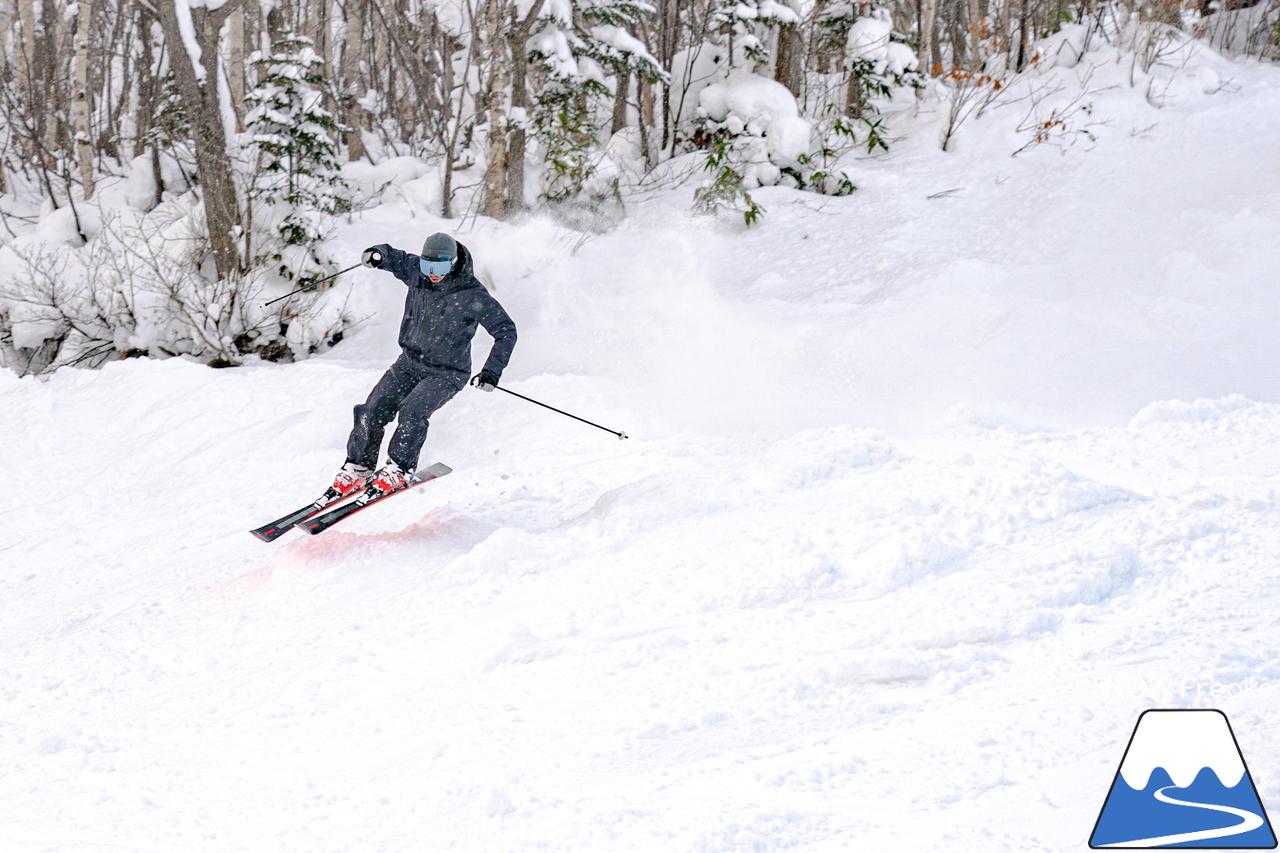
(371, 257)
(485, 380)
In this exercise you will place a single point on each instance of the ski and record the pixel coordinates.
(275, 529)
(319, 523)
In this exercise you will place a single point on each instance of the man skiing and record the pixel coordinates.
(444, 305)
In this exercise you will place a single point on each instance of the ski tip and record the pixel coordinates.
(438, 469)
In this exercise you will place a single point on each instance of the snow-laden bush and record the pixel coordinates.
(879, 59)
(751, 129)
(763, 116)
(755, 136)
(143, 285)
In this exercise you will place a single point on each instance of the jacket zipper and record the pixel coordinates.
(435, 333)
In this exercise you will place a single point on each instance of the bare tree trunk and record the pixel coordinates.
(620, 101)
(855, 99)
(819, 52)
(381, 57)
(80, 98)
(1006, 34)
(321, 31)
(235, 65)
(199, 94)
(26, 61)
(958, 31)
(351, 113)
(118, 142)
(515, 169)
(669, 27)
(647, 121)
(47, 91)
(148, 94)
(449, 46)
(789, 71)
(925, 50)
(1022, 38)
(276, 25)
(334, 43)
(520, 99)
(495, 176)
(974, 35)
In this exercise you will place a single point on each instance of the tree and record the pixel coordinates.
(83, 140)
(575, 46)
(195, 69)
(293, 134)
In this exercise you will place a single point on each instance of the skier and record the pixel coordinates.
(444, 304)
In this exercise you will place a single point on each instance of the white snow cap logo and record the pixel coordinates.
(1183, 783)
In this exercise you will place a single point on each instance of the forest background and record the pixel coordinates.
(229, 136)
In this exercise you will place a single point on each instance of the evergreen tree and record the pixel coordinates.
(579, 44)
(293, 135)
(744, 25)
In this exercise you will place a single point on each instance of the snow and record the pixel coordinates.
(1172, 411)
(621, 40)
(59, 226)
(930, 491)
(187, 28)
(1065, 47)
(771, 10)
(869, 39)
(554, 44)
(788, 140)
(750, 97)
(761, 107)
(140, 183)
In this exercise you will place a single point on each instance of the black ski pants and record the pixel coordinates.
(407, 390)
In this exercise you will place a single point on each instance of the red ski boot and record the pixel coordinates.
(351, 478)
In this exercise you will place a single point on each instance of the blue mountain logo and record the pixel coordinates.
(1183, 783)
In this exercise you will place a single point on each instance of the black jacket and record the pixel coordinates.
(440, 319)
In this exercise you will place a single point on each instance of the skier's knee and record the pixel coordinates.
(372, 416)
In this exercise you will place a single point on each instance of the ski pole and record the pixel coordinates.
(619, 433)
(310, 285)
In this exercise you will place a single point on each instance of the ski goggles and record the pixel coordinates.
(438, 267)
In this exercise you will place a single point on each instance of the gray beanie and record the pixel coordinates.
(440, 245)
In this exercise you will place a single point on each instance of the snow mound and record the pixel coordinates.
(750, 97)
(395, 172)
(788, 140)
(814, 455)
(1064, 48)
(1178, 411)
(65, 225)
(751, 105)
(870, 40)
(905, 557)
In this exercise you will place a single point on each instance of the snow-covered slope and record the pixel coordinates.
(901, 544)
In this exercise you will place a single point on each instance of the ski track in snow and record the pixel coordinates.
(895, 556)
